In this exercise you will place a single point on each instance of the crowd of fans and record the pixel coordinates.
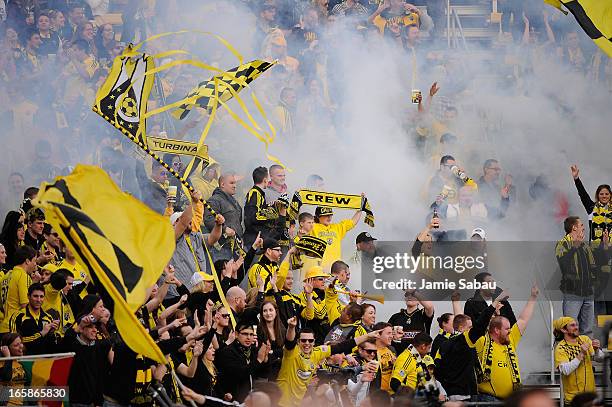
(303, 333)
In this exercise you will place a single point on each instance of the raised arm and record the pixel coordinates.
(217, 231)
(479, 327)
(586, 200)
(527, 312)
(456, 300)
(290, 336)
(184, 222)
(427, 305)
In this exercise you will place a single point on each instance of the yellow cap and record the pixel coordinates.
(198, 277)
(561, 322)
(314, 272)
(50, 267)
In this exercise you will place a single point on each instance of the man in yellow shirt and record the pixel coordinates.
(300, 362)
(574, 355)
(19, 280)
(500, 375)
(410, 364)
(385, 356)
(332, 233)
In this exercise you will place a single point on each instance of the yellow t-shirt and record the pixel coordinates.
(17, 295)
(406, 369)
(296, 372)
(333, 235)
(582, 379)
(500, 385)
(386, 359)
(79, 272)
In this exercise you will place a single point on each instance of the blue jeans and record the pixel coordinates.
(582, 309)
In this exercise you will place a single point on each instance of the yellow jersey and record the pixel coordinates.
(333, 235)
(386, 360)
(17, 295)
(500, 384)
(53, 301)
(296, 371)
(582, 379)
(406, 368)
(79, 272)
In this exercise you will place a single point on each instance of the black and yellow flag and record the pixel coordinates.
(122, 99)
(236, 78)
(123, 244)
(330, 199)
(595, 18)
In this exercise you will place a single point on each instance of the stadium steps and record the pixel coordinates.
(476, 21)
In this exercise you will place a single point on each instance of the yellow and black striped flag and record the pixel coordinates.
(122, 99)
(236, 78)
(595, 18)
(123, 244)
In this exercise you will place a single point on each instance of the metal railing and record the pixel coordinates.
(454, 29)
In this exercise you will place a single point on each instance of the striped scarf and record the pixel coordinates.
(484, 375)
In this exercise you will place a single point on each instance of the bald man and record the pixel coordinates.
(236, 298)
(223, 202)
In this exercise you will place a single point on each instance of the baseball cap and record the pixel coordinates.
(174, 217)
(479, 232)
(314, 272)
(364, 237)
(198, 277)
(271, 244)
(50, 267)
(323, 211)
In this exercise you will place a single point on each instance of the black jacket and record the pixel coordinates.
(476, 305)
(89, 368)
(237, 368)
(455, 367)
(259, 217)
(226, 205)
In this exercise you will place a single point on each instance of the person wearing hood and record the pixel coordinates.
(223, 201)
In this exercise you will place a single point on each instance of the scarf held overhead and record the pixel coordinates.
(330, 199)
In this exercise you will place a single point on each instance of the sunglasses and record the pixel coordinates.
(307, 340)
(55, 234)
(370, 351)
(224, 316)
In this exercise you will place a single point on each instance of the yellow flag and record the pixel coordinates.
(122, 98)
(236, 78)
(123, 244)
(595, 18)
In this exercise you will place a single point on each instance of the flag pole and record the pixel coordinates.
(187, 185)
(157, 158)
(45, 356)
